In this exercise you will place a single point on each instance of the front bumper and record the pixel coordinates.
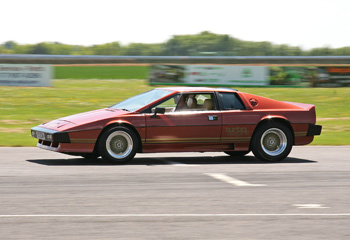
(314, 130)
(49, 135)
(61, 141)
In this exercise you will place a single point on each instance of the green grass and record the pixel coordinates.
(101, 72)
(22, 108)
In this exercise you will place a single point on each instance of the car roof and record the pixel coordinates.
(198, 89)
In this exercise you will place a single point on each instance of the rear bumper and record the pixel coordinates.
(314, 130)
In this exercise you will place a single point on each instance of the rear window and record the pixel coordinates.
(230, 101)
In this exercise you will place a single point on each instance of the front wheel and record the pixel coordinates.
(272, 142)
(118, 145)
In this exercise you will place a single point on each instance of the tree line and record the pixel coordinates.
(202, 44)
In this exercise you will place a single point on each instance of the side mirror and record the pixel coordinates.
(158, 110)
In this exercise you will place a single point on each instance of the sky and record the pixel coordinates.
(304, 23)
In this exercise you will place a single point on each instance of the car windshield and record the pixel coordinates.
(141, 100)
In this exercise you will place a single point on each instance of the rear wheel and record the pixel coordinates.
(237, 153)
(118, 145)
(272, 142)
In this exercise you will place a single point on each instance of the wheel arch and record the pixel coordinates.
(271, 119)
(123, 124)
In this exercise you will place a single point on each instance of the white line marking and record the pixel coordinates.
(309, 205)
(231, 180)
(180, 215)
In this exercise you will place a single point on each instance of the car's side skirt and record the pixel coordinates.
(187, 147)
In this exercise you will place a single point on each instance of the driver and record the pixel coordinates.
(182, 105)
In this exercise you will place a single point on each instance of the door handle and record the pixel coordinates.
(213, 118)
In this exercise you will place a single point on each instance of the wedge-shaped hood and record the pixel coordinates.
(85, 118)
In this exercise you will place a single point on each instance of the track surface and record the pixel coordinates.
(46, 195)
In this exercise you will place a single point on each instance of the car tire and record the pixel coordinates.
(237, 153)
(272, 142)
(118, 145)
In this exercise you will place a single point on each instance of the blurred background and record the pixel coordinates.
(68, 57)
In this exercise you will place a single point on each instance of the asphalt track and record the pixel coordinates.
(46, 195)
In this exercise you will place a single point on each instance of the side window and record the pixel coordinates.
(206, 101)
(230, 101)
(169, 104)
(196, 102)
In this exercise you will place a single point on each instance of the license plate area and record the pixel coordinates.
(40, 135)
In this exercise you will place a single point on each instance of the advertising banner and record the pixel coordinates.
(30, 75)
(227, 75)
(310, 76)
(206, 75)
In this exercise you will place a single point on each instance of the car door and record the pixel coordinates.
(238, 122)
(191, 119)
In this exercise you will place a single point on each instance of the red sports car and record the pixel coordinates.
(184, 119)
